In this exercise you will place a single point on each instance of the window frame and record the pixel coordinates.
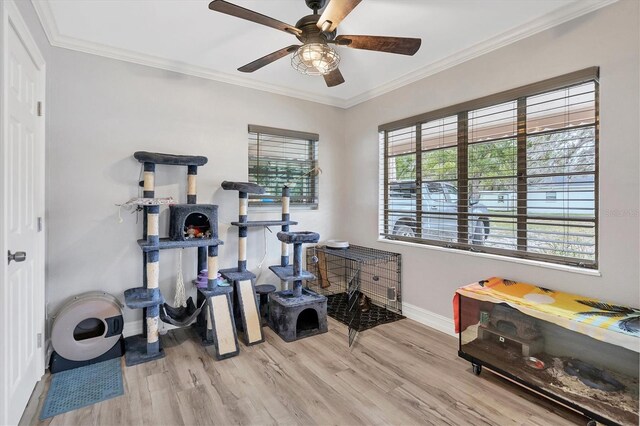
(312, 140)
(461, 110)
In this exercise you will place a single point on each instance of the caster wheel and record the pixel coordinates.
(592, 423)
(477, 369)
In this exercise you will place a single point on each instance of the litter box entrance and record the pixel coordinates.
(307, 322)
(197, 225)
(88, 329)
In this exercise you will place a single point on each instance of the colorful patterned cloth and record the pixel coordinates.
(616, 324)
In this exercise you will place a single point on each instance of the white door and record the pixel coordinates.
(22, 197)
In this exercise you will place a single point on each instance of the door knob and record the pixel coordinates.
(18, 256)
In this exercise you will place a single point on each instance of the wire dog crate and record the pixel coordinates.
(362, 285)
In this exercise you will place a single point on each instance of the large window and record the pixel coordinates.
(515, 173)
(279, 157)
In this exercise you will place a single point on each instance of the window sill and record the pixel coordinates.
(564, 268)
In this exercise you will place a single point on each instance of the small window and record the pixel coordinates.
(279, 157)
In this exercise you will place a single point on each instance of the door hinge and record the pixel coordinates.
(39, 224)
(39, 340)
(39, 109)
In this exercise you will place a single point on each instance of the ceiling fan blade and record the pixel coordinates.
(401, 45)
(240, 12)
(335, 12)
(271, 57)
(334, 78)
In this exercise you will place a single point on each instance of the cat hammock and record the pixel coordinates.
(182, 315)
(184, 311)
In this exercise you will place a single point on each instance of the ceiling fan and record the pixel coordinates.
(317, 32)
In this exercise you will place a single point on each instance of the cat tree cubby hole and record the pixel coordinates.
(307, 323)
(192, 221)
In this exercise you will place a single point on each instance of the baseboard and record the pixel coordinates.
(430, 319)
(423, 316)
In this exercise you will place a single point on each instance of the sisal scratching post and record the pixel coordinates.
(146, 347)
(286, 216)
(192, 176)
(153, 260)
(243, 201)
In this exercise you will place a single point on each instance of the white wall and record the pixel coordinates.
(100, 111)
(607, 38)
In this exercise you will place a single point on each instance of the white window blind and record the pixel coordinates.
(515, 173)
(279, 157)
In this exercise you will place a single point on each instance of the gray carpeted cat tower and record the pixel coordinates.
(293, 314)
(191, 226)
(221, 309)
(298, 312)
(246, 310)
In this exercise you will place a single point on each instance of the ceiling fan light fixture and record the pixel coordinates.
(315, 59)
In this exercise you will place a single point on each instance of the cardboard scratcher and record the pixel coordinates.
(249, 313)
(221, 327)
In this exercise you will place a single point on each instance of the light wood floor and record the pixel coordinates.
(401, 373)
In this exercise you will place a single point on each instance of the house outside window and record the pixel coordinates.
(279, 157)
(514, 173)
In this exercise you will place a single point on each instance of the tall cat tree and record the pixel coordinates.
(247, 314)
(293, 314)
(191, 225)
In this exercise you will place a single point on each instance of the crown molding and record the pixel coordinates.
(557, 17)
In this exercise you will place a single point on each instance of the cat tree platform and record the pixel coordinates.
(166, 243)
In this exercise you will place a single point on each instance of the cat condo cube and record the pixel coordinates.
(297, 313)
(193, 221)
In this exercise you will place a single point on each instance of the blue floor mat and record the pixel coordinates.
(73, 389)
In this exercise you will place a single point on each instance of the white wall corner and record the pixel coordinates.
(430, 319)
